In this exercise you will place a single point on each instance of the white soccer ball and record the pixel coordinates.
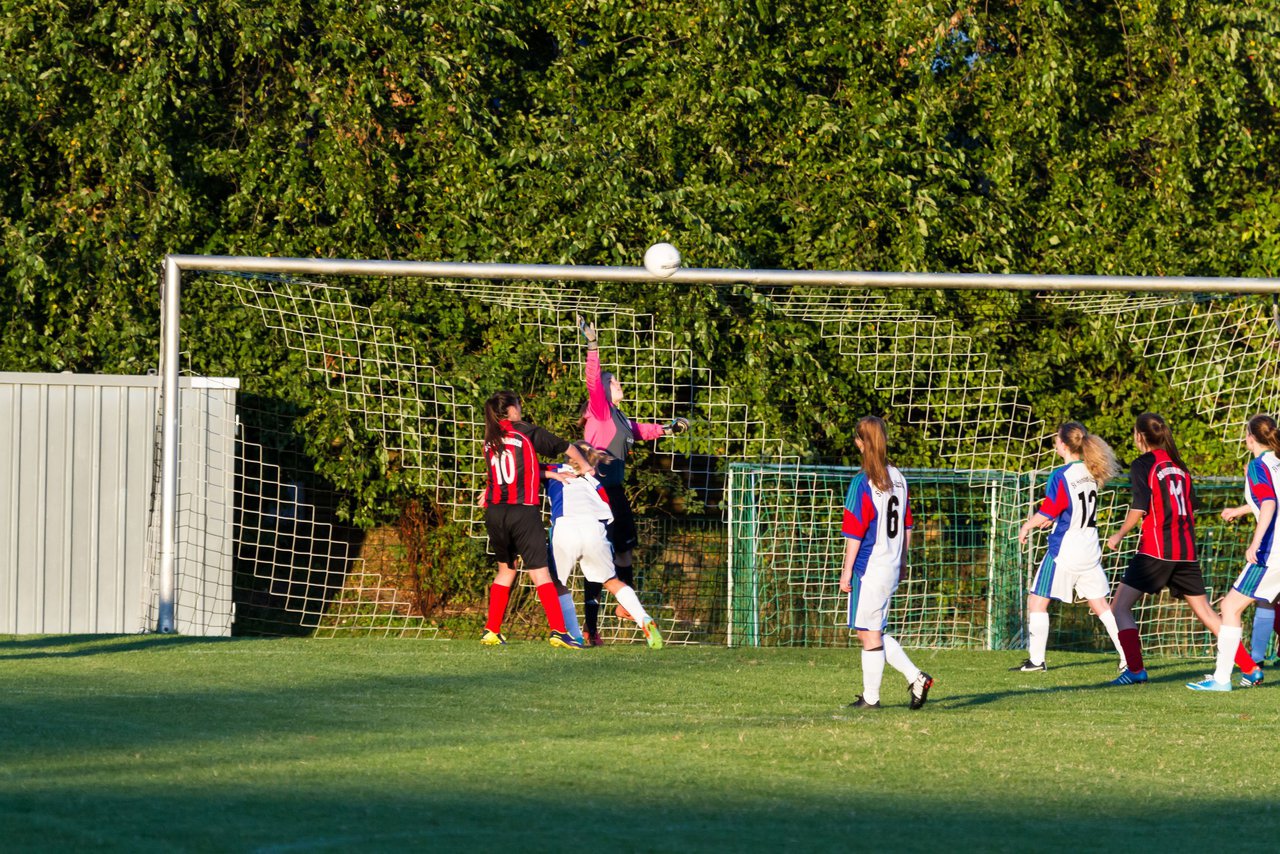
(662, 259)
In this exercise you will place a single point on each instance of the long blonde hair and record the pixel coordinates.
(875, 451)
(593, 455)
(1097, 455)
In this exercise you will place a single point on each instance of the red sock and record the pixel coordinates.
(1132, 646)
(1244, 660)
(551, 604)
(498, 596)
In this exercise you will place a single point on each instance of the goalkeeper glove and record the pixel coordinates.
(588, 332)
(678, 426)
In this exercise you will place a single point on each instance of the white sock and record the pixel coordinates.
(1038, 628)
(872, 674)
(627, 598)
(570, 615)
(1228, 643)
(897, 658)
(1264, 622)
(1108, 621)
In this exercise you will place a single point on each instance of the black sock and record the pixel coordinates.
(591, 606)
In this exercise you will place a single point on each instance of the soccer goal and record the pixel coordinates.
(362, 384)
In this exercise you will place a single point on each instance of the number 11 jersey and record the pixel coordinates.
(1162, 490)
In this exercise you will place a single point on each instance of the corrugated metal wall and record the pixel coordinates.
(77, 470)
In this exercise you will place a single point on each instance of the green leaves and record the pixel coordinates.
(1040, 137)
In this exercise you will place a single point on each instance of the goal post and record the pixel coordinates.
(944, 374)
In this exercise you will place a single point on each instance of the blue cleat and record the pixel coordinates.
(1251, 680)
(1210, 684)
(1130, 677)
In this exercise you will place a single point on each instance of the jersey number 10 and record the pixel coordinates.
(504, 467)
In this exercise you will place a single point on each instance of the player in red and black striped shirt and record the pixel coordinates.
(1162, 504)
(513, 511)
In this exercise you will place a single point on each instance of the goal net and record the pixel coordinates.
(359, 425)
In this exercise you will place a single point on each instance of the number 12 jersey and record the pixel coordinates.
(1071, 500)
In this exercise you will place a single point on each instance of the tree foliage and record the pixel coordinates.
(1038, 136)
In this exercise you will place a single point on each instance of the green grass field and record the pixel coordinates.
(147, 743)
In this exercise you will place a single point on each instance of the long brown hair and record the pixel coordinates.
(1156, 434)
(1097, 455)
(875, 451)
(1263, 428)
(495, 411)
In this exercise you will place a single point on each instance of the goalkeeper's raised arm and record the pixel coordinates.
(605, 427)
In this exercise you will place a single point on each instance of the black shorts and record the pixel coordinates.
(515, 530)
(622, 530)
(1151, 575)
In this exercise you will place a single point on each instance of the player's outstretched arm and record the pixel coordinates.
(1035, 521)
(1131, 521)
(1230, 514)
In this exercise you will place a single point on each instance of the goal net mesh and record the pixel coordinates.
(747, 548)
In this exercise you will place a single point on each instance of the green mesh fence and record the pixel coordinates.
(966, 582)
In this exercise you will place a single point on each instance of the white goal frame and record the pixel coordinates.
(176, 265)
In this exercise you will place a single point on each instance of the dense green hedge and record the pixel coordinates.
(1036, 136)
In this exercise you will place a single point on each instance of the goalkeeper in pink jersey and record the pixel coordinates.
(606, 428)
(580, 512)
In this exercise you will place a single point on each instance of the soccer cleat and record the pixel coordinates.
(622, 614)
(1251, 680)
(492, 638)
(652, 636)
(564, 640)
(919, 689)
(1030, 666)
(860, 703)
(1210, 684)
(593, 639)
(1129, 677)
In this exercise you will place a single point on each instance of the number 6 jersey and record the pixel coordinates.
(879, 519)
(1071, 500)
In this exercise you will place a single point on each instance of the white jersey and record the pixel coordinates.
(880, 519)
(1260, 478)
(1071, 501)
(582, 497)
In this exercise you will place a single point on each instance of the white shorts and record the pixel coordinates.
(574, 539)
(1261, 583)
(869, 599)
(1064, 583)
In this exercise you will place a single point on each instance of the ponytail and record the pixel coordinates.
(495, 412)
(1156, 434)
(875, 453)
(1263, 428)
(1097, 455)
